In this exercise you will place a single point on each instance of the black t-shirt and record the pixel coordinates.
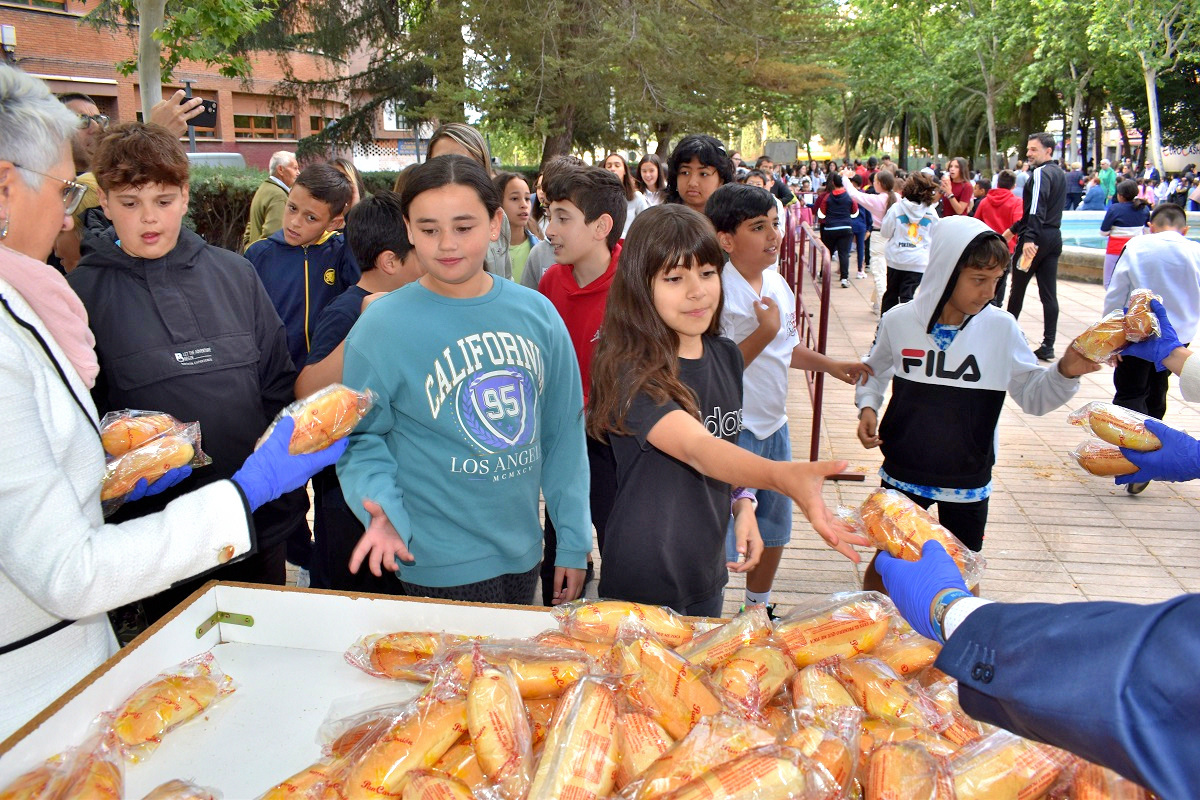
(335, 323)
(665, 539)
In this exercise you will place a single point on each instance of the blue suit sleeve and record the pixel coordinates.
(1113, 682)
(565, 473)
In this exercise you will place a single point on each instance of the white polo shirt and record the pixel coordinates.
(765, 381)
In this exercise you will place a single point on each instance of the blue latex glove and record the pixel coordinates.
(913, 585)
(1156, 348)
(271, 470)
(1178, 460)
(166, 481)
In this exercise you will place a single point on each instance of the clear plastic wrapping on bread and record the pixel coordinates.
(1116, 425)
(322, 418)
(1112, 334)
(896, 524)
(177, 446)
(1103, 459)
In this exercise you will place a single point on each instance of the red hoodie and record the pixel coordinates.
(999, 209)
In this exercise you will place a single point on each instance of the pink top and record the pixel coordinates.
(875, 203)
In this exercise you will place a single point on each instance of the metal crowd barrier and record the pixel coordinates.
(802, 252)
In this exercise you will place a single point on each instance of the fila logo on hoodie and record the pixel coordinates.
(934, 363)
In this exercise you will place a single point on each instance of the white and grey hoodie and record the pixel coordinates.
(940, 426)
(908, 229)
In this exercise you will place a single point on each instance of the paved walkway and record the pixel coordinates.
(1054, 532)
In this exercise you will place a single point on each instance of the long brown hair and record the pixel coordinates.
(627, 184)
(637, 351)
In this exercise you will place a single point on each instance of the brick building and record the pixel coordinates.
(52, 43)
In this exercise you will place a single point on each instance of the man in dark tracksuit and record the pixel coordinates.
(1039, 242)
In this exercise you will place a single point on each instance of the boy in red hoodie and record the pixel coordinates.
(1001, 208)
(586, 208)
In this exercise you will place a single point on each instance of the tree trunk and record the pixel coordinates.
(1078, 146)
(663, 132)
(1126, 147)
(1155, 144)
(902, 156)
(1024, 124)
(993, 146)
(845, 127)
(935, 140)
(1099, 141)
(151, 14)
(558, 143)
(1083, 142)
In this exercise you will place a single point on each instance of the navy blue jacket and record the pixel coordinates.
(1116, 683)
(301, 280)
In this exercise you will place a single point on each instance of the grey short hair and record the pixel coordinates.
(279, 158)
(34, 125)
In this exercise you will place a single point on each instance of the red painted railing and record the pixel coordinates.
(802, 252)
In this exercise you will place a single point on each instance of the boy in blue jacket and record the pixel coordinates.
(306, 264)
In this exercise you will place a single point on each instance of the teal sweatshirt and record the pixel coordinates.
(480, 407)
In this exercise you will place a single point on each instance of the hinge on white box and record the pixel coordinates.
(223, 616)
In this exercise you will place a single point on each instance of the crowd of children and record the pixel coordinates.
(620, 346)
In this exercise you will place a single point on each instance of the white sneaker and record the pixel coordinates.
(845, 283)
(861, 275)
(303, 579)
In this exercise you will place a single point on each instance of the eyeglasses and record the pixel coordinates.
(86, 120)
(73, 191)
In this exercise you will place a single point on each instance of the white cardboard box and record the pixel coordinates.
(289, 670)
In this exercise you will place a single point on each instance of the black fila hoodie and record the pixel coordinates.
(940, 425)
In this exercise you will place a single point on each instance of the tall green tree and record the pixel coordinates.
(171, 31)
(1159, 34)
(988, 46)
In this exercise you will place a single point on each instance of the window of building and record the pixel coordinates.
(318, 124)
(264, 126)
(57, 5)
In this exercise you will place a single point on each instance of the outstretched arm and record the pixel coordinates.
(683, 437)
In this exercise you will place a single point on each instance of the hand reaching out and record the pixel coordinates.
(802, 482)
(380, 545)
(851, 372)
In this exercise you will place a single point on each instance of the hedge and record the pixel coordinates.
(219, 203)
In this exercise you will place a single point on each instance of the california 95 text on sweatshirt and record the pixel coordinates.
(480, 406)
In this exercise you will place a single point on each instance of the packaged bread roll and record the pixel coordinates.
(897, 525)
(841, 626)
(1102, 458)
(1110, 335)
(599, 620)
(1116, 425)
(323, 417)
(122, 431)
(171, 699)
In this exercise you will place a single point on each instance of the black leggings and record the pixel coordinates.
(516, 589)
(901, 286)
(839, 241)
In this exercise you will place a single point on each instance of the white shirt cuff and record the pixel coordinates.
(959, 611)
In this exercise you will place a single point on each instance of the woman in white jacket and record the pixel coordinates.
(61, 567)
